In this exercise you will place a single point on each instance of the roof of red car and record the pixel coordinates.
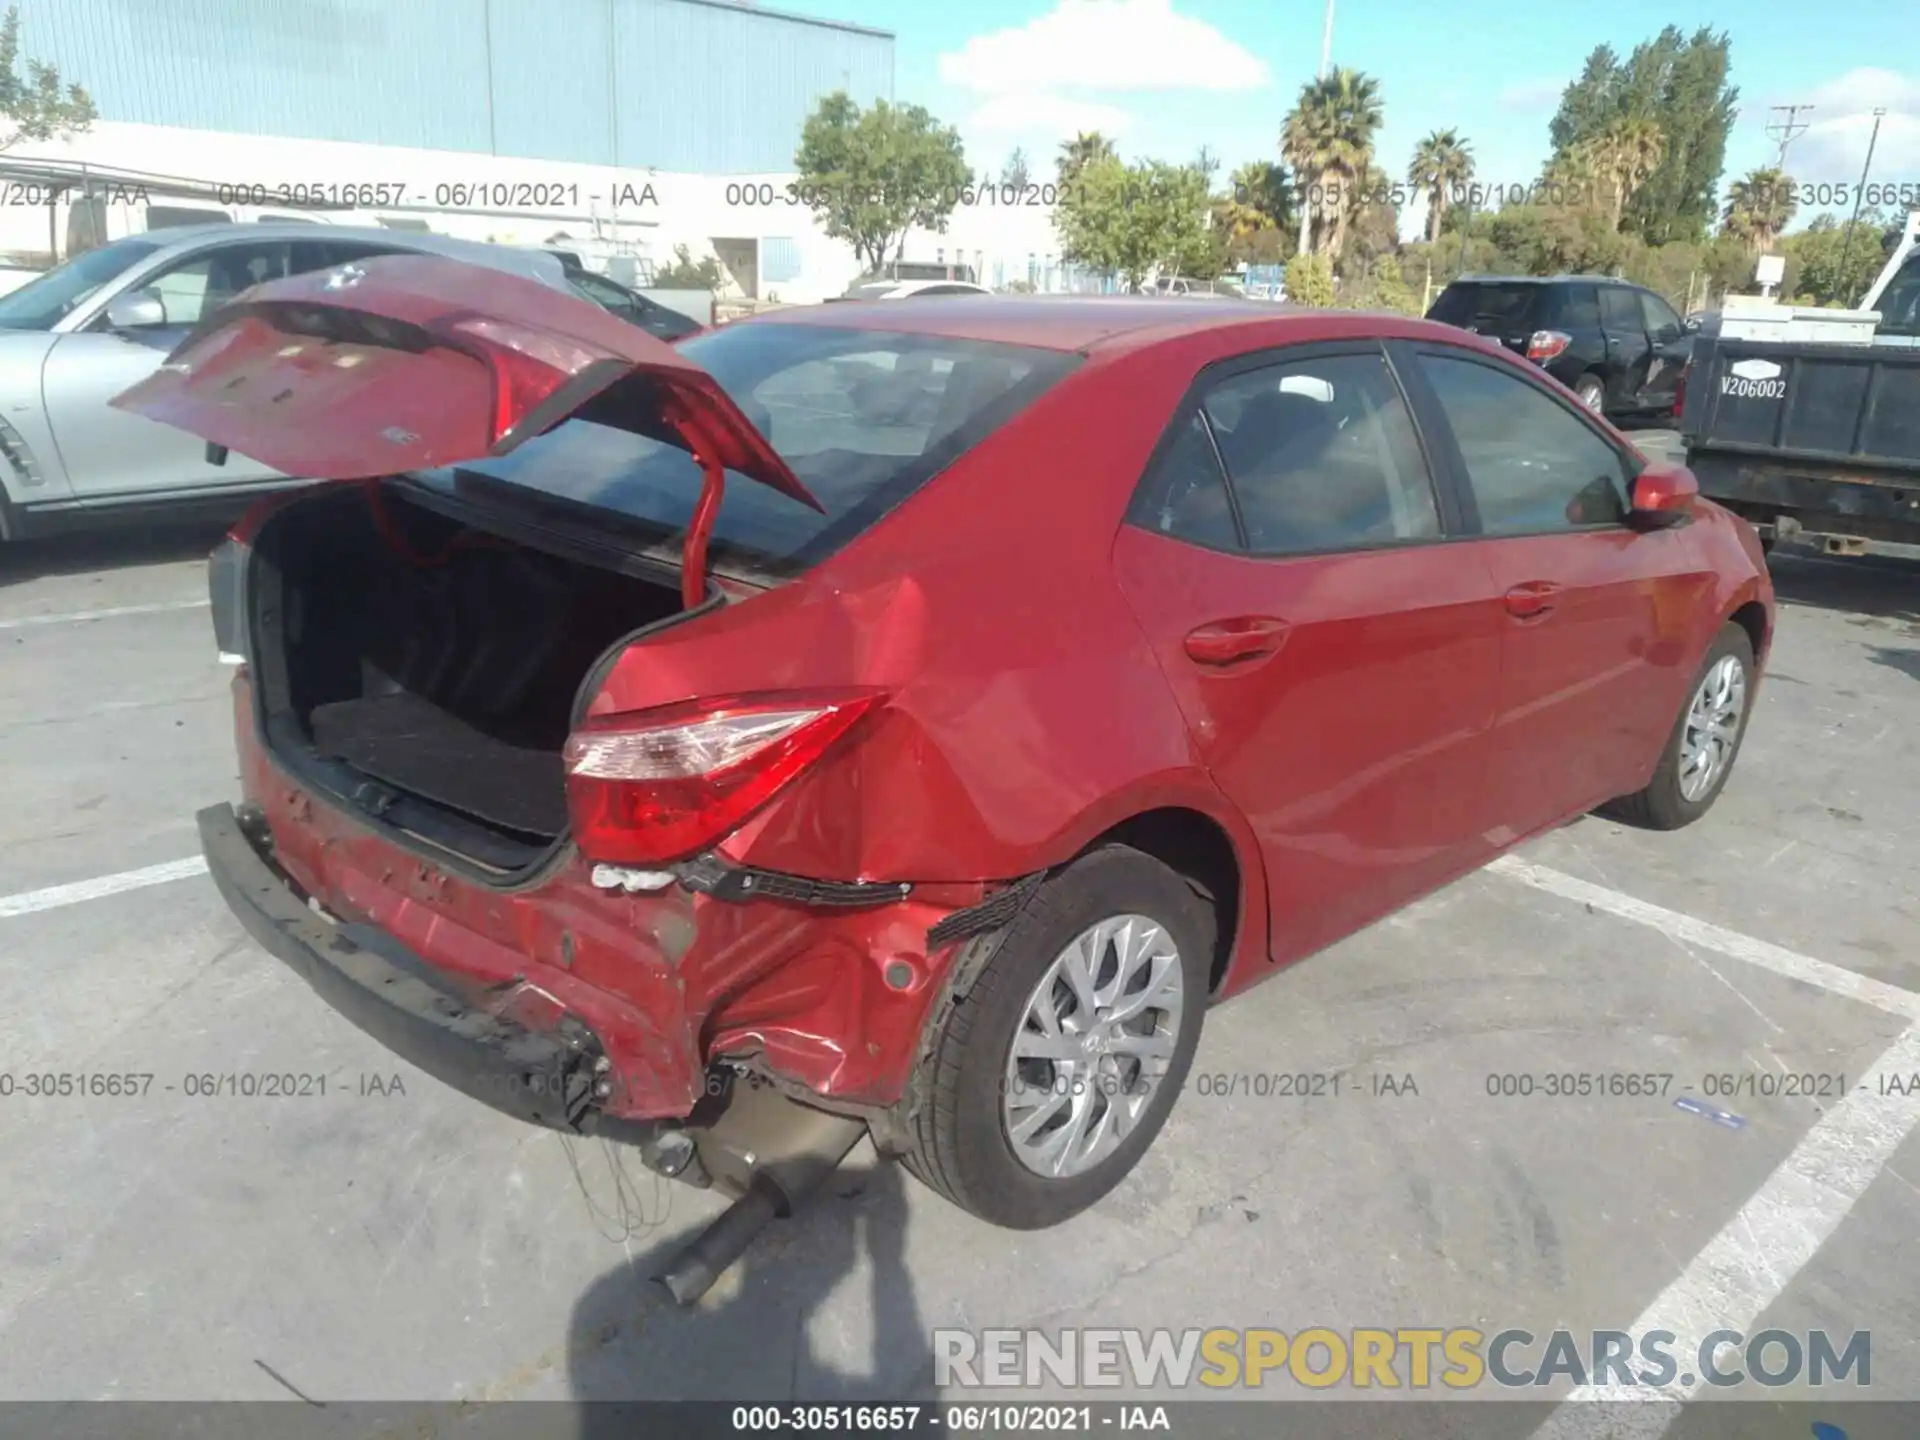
(1082, 322)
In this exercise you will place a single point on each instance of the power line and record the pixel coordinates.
(1788, 130)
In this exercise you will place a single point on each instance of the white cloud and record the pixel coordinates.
(1530, 95)
(1834, 146)
(1104, 45)
(1054, 117)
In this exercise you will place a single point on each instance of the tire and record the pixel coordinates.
(1592, 393)
(957, 1135)
(1666, 804)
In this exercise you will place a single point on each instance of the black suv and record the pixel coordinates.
(1620, 348)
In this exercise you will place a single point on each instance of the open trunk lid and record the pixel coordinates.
(410, 362)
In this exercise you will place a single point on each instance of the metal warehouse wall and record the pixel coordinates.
(700, 85)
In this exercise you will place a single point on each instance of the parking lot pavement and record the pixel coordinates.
(400, 1242)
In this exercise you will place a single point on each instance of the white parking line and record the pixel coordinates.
(1767, 956)
(1744, 1268)
(22, 622)
(54, 896)
(1756, 1255)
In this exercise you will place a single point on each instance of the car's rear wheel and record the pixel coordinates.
(1592, 393)
(1044, 1084)
(1706, 740)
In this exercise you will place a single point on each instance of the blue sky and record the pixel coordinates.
(1166, 76)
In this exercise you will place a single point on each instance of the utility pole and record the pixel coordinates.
(1311, 188)
(1788, 130)
(1846, 250)
(1326, 41)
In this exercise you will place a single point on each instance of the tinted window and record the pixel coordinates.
(1660, 319)
(41, 304)
(863, 417)
(1185, 495)
(1534, 466)
(1578, 308)
(1322, 456)
(1494, 308)
(1899, 305)
(1618, 309)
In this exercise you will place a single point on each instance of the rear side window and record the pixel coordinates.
(1488, 307)
(1322, 455)
(862, 417)
(1185, 495)
(1620, 309)
(1534, 467)
(1578, 308)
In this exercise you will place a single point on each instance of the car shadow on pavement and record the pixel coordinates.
(1879, 587)
(812, 1291)
(84, 551)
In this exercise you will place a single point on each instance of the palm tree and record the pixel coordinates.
(1328, 138)
(1629, 150)
(1441, 162)
(1081, 151)
(1759, 208)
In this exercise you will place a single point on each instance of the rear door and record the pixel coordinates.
(1335, 658)
(1595, 613)
(1629, 354)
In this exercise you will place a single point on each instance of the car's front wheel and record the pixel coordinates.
(1044, 1084)
(1706, 740)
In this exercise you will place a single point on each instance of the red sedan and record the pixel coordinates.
(910, 719)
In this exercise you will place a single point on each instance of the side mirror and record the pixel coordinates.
(1663, 495)
(1690, 325)
(136, 310)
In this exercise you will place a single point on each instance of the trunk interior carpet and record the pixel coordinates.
(415, 746)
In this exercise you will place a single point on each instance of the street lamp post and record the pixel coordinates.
(1326, 41)
(1846, 249)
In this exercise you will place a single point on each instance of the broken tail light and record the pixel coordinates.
(1680, 391)
(655, 786)
(1544, 345)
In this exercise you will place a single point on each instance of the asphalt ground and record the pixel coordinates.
(401, 1243)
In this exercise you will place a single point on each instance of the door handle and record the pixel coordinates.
(1532, 600)
(1232, 642)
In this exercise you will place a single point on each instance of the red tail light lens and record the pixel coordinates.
(1545, 344)
(661, 785)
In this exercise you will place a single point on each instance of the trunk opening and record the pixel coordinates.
(427, 671)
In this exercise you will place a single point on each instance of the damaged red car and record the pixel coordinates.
(908, 722)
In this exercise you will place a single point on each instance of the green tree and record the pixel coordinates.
(1373, 227)
(40, 106)
(1441, 164)
(1759, 207)
(1328, 139)
(1822, 266)
(1079, 152)
(1128, 220)
(873, 175)
(688, 274)
(1015, 172)
(1252, 218)
(1674, 81)
(1629, 152)
(1310, 281)
(1589, 103)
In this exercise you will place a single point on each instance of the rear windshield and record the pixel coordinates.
(1487, 307)
(863, 417)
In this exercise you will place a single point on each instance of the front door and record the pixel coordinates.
(1628, 353)
(1336, 661)
(1594, 610)
(110, 453)
(1671, 349)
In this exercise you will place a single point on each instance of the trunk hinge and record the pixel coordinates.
(713, 485)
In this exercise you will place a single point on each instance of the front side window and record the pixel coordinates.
(41, 304)
(1534, 466)
(202, 283)
(1661, 322)
(1322, 455)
